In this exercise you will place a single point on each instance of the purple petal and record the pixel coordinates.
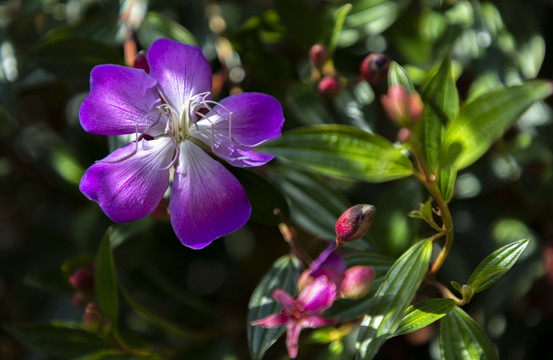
(122, 100)
(329, 263)
(129, 185)
(272, 320)
(284, 299)
(318, 295)
(317, 321)
(292, 335)
(181, 71)
(255, 119)
(207, 201)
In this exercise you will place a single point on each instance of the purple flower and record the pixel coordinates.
(328, 264)
(303, 311)
(174, 119)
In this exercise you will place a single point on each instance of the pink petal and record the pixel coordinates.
(122, 100)
(255, 119)
(293, 330)
(318, 295)
(129, 185)
(207, 201)
(284, 299)
(272, 320)
(315, 321)
(181, 71)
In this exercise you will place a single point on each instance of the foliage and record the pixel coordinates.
(462, 152)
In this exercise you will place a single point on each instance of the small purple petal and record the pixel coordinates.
(122, 100)
(284, 299)
(329, 263)
(318, 296)
(129, 185)
(207, 201)
(293, 330)
(317, 321)
(181, 71)
(272, 320)
(255, 118)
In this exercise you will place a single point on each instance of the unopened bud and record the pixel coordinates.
(79, 299)
(328, 86)
(92, 317)
(318, 55)
(354, 222)
(401, 106)
(357, 281)
(375, 67)
(404, 135)
(82, 280)
(140, 61)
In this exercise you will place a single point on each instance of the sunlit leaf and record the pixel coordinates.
(446, 183)
(105, 283)
(398, 76)
(370, 17)
(422, 314)
(495, 265)
(483, 121)
(60, 341)
(343, 152)
(386, 310)
(283, 275)
(461, 338)
(338, 17)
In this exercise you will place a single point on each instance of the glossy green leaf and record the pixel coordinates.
(423, 313)
(348, 309)
(156, 26)
(371, 17)
(462, 339)
(263, 196)
(314, 204)
(493, 267)
(483, 121)
(105, 282)
(446, 183)
(283, 275)
(398, 76)
(59, 341)
(343, 152)
(388, 305)
(441, 105)
(338, 17)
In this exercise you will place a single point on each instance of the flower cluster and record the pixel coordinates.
(167, 105)
(319, 286)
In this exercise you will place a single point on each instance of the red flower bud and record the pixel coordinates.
(354, 222)
(318, 55)
(92, 317)
(328, 86)
(140, 61)
(375, 67)
(357, 281)
(82, 280)
(402, 107)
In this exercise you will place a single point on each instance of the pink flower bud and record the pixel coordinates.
(357, 281)
(328, 86)
(140, 61)
(92, 317)
(404, 135)
(375, 67)
(354, 222)
(79, 300)
(401, 106)
(318, 55)
(82, 280)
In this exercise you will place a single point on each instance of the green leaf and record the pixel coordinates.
(461, 338)
(483, 121)
(338, 17)
(157, 26)
(105, 282)
(423, 313)
(398, 76)
(348, 309)
(125, 231)
(343, 152)
(50, 280)
(264, 197)
(314, 204)
(441, 105)
(283, 275)
(59, 341)
(446, 183)
(495, 265)
(392, 298)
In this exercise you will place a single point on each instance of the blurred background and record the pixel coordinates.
(193, 304)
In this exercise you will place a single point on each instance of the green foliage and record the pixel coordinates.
(105, 281)
(422, 314)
